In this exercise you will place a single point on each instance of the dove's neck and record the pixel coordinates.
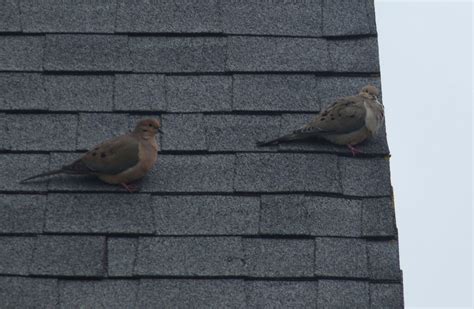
(146, 135)
(149, 137)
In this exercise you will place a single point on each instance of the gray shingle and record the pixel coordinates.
(330, 88)
(75, 182)
(199, 93)
(284, 214)
(4, 138)
(21, 53)
(169, 16)
(371, 15)
(279, 257)
(334, 216)
(183, 132)
(291, 122)
(141, 92)
(79, 92)
(378, 218)
(215, 215)
(311, 215)
(383, 260)
(189, 256)
(286, 172)
(16, 167)
(181, 294)
(95, 128)
(341, 257)
(22, 213)
(28, 293)
(276, 54)
(81, 52)
(10, 16)
(121, 254)
(68, 16)
(82, 256)
(281, 294)
(22, 91)
(178, 54)
(274, 18)
(98, 294)
(384, 295)
(15, 255)
(240, 132)
(345, 17)
(270, 92)
(354, 55)
(99, 213)
(343, 294)
(42, 132)
(191, 173)
(365, 177)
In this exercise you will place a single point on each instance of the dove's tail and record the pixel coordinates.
(54, 172)
(75, 168)
(282, 139)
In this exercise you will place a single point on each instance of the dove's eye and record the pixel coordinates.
(150, 125)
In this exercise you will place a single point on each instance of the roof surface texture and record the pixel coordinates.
(218, 223)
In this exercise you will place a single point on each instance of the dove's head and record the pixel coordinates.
(148, 127)
(370, 92)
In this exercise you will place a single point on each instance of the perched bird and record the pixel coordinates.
(120, 160)
(347, 121)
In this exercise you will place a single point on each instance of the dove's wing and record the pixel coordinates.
(110, 157)
(343, 116)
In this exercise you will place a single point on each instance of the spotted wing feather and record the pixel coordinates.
(343, 116)
(111, 157)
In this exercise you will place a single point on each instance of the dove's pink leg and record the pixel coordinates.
(354, 150)
(130, 187)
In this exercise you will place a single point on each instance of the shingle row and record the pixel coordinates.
(182, 132)
(245, 173)
(121, 53)
(315, 18)
(174, 93)
(18, 292)
(196, 215)
(326, 216)
(92, 256)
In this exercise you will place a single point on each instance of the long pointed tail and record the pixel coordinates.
(59, 171)
(282, 139)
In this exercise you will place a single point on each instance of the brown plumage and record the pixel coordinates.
(347, 121)
(120, 160)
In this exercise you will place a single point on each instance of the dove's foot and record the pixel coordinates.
(130, 187)
(354, 150)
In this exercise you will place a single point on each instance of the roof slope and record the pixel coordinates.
(218, 223)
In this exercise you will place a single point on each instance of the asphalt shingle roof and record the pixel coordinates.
(218, 223)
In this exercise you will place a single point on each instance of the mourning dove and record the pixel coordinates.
(120, 160)
(347, 121)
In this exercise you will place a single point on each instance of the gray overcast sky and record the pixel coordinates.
(426, 65)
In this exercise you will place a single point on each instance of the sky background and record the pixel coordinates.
(426, 66)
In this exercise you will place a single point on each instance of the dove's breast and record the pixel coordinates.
(147, 154)
(373, 118)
